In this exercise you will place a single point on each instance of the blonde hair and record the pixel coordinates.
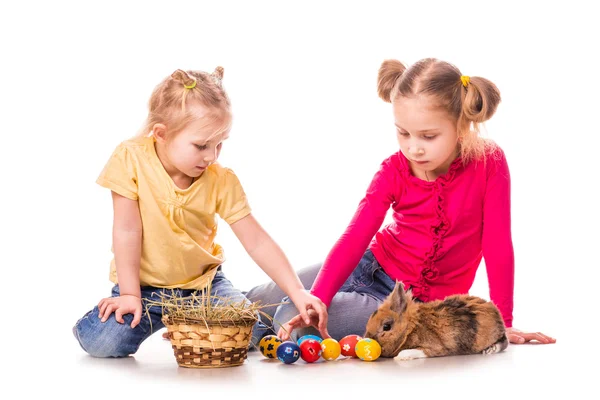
(470, 102)
(168, 101)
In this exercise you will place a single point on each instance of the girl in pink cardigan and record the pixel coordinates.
(449, 190)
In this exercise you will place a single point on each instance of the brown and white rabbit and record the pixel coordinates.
(459, 324)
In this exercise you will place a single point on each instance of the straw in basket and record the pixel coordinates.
(208, 331)
(209, 344)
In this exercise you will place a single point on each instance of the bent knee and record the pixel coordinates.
(106, 339)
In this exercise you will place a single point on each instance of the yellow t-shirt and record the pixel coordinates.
(179, 225)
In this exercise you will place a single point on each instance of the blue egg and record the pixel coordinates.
(306, 337)
(288, 352)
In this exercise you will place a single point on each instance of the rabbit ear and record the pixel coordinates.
(399, 299)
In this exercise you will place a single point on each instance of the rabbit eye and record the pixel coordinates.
(387, 326)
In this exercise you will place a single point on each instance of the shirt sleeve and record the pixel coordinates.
(497, 239)
(350, 247)
(232, 204)
(120, 173)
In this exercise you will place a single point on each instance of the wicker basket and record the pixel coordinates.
(214, 344)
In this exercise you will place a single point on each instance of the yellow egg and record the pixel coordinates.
(368, 349)
(268, 346)
(331, 349)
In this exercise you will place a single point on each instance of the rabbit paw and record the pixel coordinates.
(410, 354)
(495, 348)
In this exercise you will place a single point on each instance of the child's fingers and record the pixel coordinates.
(282, 334)
(102, 311)
(304, 316)
(549, 338)
(109, 310)
(119, 315)
(323, 318)
(515, 338)
(295, 322)
(137, 317)
(102, 307)
(531, 336)
(323, 330)
(536, 336)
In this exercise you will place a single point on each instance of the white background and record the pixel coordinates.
(309, 132)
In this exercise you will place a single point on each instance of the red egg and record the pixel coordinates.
(348, 344)
(310, 350)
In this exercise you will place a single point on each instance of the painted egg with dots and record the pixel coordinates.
(348, 345)
(307, 337)
(310, 350)
(288, 352)
(368, 349)
(331, 349)
(268, 346)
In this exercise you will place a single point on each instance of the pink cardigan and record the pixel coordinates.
(439, 234)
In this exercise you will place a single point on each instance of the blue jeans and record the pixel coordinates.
(350, 309)
(113, 339)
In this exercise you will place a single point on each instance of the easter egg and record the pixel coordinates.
(306, 337)
(268, 346)
(330, 349)
(368, 349)
(348, 345)
(288, 352)
(310, 350)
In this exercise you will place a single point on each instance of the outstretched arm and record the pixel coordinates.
(350, 247)
(271, 259)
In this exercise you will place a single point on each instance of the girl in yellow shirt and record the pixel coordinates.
(167, 191)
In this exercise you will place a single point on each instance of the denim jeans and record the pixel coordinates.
(113, 339)
(350, 309)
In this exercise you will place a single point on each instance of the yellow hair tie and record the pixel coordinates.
(193, 85)
(465, 80)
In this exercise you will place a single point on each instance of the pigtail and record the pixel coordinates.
(186, 80)
(387, 78)
(218, 73)
(480, 99)
(217, 76)
(189, 83)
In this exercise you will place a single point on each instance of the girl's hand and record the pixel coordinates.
(313, 312)
(121, 305)
(516, 336)
(298, 322)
